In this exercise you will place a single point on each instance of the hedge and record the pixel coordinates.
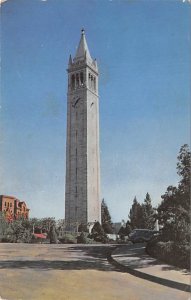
(170, 252)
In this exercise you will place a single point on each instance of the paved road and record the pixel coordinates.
(77, 272)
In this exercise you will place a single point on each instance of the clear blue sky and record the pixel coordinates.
(143, 52)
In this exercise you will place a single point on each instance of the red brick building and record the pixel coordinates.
(13, 208)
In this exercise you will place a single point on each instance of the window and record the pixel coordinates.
(5, 203)
(94, 84)
(73, 81)
(81, 78)
(77, 80)
(89, 80)
(10, 204)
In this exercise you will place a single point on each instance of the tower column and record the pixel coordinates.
(82, 186)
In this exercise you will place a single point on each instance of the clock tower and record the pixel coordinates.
(82, 186)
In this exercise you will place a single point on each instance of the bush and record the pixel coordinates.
(53, 235)
(83, 228)
(68, 238)
(17, 231)
(84, 239)
(170, 252)
(98, 233)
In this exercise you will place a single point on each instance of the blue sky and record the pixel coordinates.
(143, 53)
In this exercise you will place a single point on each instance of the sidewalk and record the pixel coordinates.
(134, 259)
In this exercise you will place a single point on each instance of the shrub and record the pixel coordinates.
(170, 252)
(84, 239)
(68, 238)
(83, 228)
(53, 235)
(98, 233)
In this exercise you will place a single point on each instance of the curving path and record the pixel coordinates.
(77, 272)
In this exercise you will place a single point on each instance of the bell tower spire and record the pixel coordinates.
(82, 186)
(82, 49)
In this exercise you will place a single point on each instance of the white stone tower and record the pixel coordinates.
(82, 189)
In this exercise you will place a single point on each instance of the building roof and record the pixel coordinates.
(82, 50)
(6, 196)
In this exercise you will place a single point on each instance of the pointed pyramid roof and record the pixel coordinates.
(82, 50)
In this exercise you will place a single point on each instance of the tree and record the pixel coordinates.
(42, 225)
(148, 213)
(106, 218)
(3, 225)
(128, 228)
(19, 231)
(184, 171)
(184, 164)
(83, 228)
(136, 215)
(98, 233)
(53, 235)
(174, 210)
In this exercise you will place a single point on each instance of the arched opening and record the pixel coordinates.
(81, 78)
(91, 82)
(94, 84)
(77, 80)
(73, 82)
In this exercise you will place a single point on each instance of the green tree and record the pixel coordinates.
(98, 233)
(136, 215)
(184, 171)
(125, 230)
(174, 210)
(106, 218)
(42, 225)
(3, 225)
(83, 228)
(128, 228)
(148, 217)
(19, 231)
(53, 235)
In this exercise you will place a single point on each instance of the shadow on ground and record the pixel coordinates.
(84, 258)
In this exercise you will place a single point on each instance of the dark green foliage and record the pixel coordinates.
(128, 228)
(125, 230)
(136, 215)
(184, 171)
(18, 231)
(68, 238)
(43, 225)
(53, 235)
(148, 217)
(174, 210)
(98, 233)
(170, 252)
(3, 225)
(141, 215)
(106, 218)
(84, 239)
(122, 231)
(81, 239)
(82, 228)
(173, 245)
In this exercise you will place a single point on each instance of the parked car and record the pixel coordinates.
(142, 235)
